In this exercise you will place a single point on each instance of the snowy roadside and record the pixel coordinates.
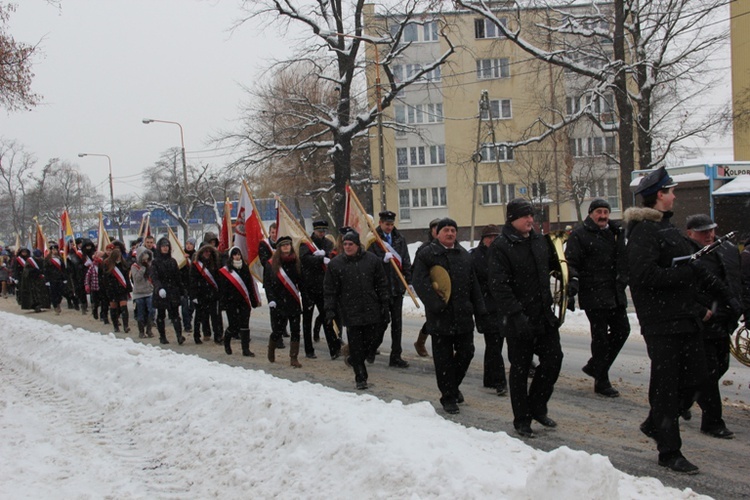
(85, 415)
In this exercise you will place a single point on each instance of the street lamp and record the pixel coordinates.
(111, 187)
(182, 142)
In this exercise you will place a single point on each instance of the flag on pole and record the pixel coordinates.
(104, 240)
(66, 234)
(225, 236)
(287, 225)
(178, 253)
(41, 240)
(248, 232)
(18, 242)
(145, 228)
(358, 219)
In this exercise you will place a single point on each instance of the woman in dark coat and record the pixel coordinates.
(237, 296)
(165, 276)
(116, 281)
(34, 293)
(281, 279)
(56, 276)
(204, 292)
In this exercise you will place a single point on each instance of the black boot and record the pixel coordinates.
(114, 314)
(149, 329)
(228, 342)
(141, 330)
(245, 341)
(178, 331)
(125, 318)
(161, 328)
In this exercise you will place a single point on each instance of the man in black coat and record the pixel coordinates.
(520, 260)
(491, 325)
(665, 302)
(356, 291)
(597, 260)
(450, 317)
(720, 314)
(397, 251)
(314, 264)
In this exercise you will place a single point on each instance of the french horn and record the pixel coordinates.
(559, 273)
(739, 345)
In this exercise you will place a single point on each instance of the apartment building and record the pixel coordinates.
(454, 120)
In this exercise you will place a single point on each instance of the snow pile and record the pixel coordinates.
(90, 416)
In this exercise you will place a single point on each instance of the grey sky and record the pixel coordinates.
(107, 64)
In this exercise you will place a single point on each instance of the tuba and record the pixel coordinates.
(559, 273)
(739, 345)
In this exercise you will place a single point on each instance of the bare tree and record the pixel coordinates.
(15, 67)
(651, 55)
(16, 168)
(335, 52)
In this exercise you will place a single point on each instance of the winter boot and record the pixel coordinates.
(419, 345)
(149, 327)
(280, 343)
(84, 309)
(178, 331)
(228, 343)
(141, 334)
(245, 340)
(293, 353)
(125, 318)
(271, 350)
(115, 315)
(95, 312)
(197, 332)
(161, 328)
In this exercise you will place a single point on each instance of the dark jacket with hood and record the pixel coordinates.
(519, 281)
(356, 289)
(457, 316)
(597, 257)
(200, 287)
(165, 275)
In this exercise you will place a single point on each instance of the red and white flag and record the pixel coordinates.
(248, 232)
(225, 236)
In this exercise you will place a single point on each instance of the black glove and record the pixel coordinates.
(330, 317)
(573, 287)
(520, 323)
(385, 314)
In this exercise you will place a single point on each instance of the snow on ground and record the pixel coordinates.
(89, 416)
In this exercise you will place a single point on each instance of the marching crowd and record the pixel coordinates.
(687, 307)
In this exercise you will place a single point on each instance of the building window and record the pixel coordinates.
(437, 155)
(500, 109)
(493, 68)
(612, 195)
(576, 147)
(596, 146)
(610, 145)
(435, 112)
(411, 33)
(399, 113)
(418, 156)
(484, 28)
(490, 194)
(402, 158)
(491, 152)
(538, 190)
(403, 173)
(433, 75)
(572, 105)
(403, 203)
(415, 114)
(430, 31)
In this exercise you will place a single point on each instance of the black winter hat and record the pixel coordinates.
(447, 221)
(700, 222)
(518, 208)
(283, 239)
(599, 203)
(352, 236)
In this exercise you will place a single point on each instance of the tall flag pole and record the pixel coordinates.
(355, 213)
(145, 228)
(249, 231)
(66, 234)
(287, 225)
(104, 240)
(225, 236)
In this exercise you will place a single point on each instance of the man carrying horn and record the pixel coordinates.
(449, 307)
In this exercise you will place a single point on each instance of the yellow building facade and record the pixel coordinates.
(740, 39)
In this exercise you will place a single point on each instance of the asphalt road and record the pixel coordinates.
(585, 421)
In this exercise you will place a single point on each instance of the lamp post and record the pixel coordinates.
(182, 142)
(111, 188)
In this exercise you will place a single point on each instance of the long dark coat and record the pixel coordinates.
(286, 303)
(356, 289)
(165, 274)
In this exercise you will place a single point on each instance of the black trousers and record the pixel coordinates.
(494, 366)
(174, 316)
(239, 319)
(610, 329)
(530, 400)
(709, 396)
(452, 355)
(362, 338)
(309, 302)
(678, 368)
(279, 320)
(207, 315)
(395, 308)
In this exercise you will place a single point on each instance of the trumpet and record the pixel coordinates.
(559, 273)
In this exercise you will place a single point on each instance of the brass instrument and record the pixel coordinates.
(559, 273)
(739, 345)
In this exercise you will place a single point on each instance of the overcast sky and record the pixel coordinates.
(107, 64)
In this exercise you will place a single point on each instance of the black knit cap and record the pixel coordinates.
(352, 236)
(599, 203)
(518, 208)
(447, 221)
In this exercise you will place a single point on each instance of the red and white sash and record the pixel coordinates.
(206, 273)
(289, 284)
(32, 262)
(119, 276)
(21, 261)
(88, 262)
(236, 280)
(56, 262)
(396, 256)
